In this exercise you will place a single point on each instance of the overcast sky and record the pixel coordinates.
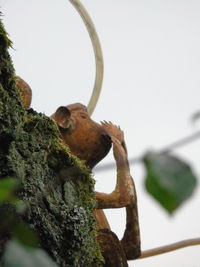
(151, 88)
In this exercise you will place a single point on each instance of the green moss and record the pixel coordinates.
(56, 187)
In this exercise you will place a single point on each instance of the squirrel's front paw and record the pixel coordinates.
(113, 131)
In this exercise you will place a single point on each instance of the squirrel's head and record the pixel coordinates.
(85, 138)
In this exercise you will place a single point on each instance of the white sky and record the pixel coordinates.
(151, 88)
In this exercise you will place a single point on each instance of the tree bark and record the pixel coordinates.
(57, 189)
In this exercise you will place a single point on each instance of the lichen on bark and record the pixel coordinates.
(56, 187)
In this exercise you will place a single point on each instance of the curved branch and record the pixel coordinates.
(97, 51)
(170, 247)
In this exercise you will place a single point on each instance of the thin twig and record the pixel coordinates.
(170, 247)
(179, 143)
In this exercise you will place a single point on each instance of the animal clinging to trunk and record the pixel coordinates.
(91, 142)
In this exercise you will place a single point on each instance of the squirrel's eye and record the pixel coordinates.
(83, 115)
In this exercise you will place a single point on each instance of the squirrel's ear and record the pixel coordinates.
(25, 92)
(62, 117)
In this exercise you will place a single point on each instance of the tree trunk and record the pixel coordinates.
(56, 188)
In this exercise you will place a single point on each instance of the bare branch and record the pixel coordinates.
(169, 248)
(97, 51)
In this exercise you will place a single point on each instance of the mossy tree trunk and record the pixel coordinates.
(56, 188)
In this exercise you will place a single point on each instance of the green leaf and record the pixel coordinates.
(169, 180)
(7, 187)
(25, 235)
(19, 256)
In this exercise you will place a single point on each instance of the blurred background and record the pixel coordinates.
(151, 89)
